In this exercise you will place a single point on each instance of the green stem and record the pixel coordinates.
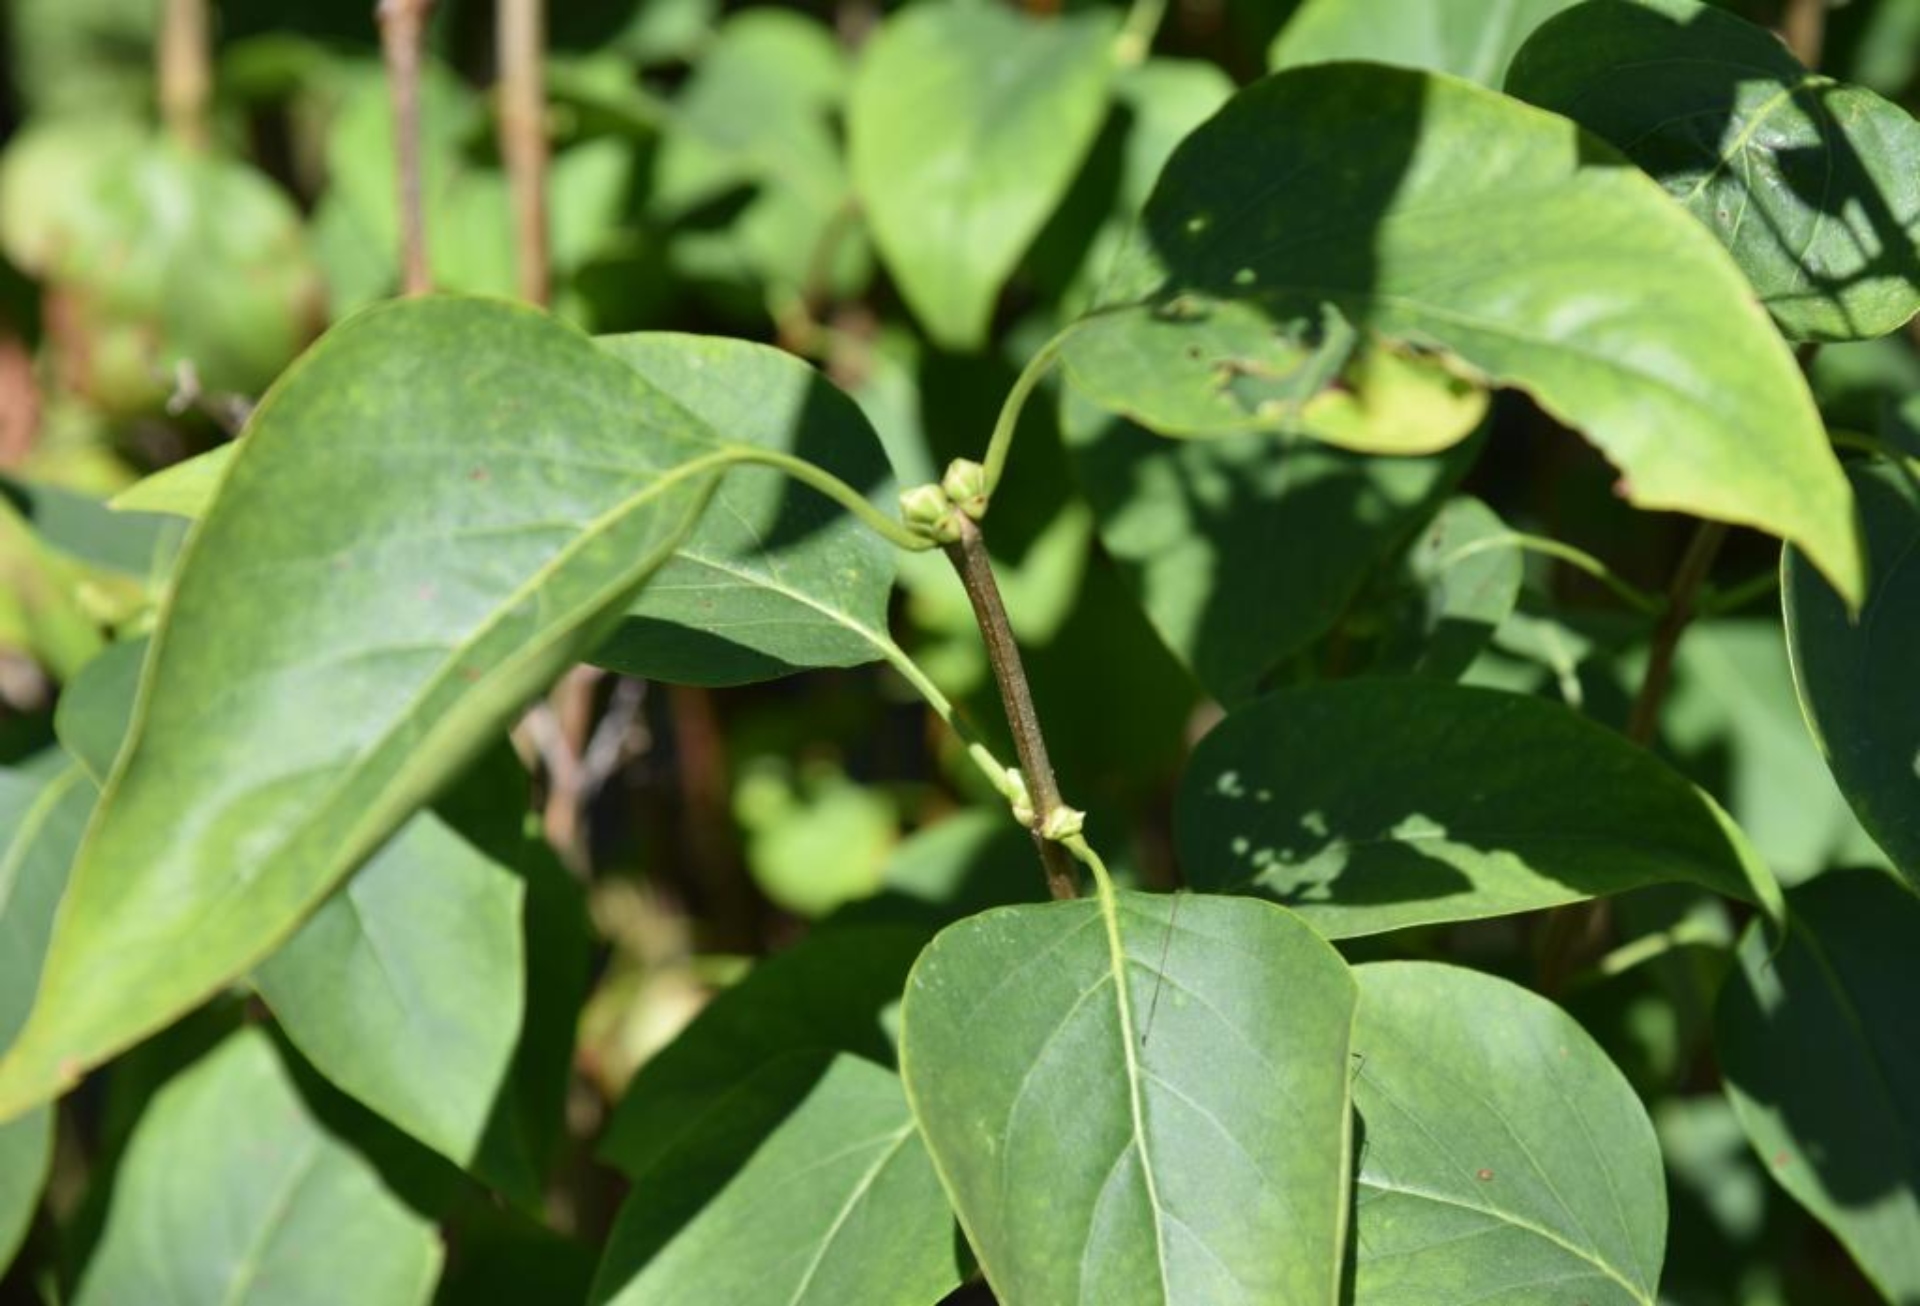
(830, 485)
(1631, 595)
(1002, 442)
(1715, 603)
(1643, 722)
(1135, 41)
(1084, 854)
(978, 753)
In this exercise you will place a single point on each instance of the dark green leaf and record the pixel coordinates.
(1813, 185)
(41, 819)
(1857, 675)
(1463, 579)
(1504, 1161)
(1395, 231)
(1196, 525)
(232, 1192)
(1369, 805)
(1820, 1046)
(1142, 1099)
(471, 537)
(1474, 39)
(806, 1184)
(966, 124)
(26, 1154)
(96, 708)
(775, 578)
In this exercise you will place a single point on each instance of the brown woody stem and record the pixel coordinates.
(403, 25)
(186, 76)
(521, 42)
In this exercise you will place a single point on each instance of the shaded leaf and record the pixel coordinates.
(775, 577)
(1462, 580)
(1196, 525)
(1473, 237)
(95, 709)
(1857, 675)
(232, 1192)
(1138, 1099)
(41, 820)
(1475, 39)
(473, 537)
(1503, 1160)
(966, 124)
(26, 1154)
(810, 1185)
(1813, 185)
(1820, 1047)
(1370, 805)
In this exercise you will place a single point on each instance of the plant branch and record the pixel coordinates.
(403, 25)
(185, 73)
(1643, 722)
(969, 557)
(520, 47)
(1135, 41)
(834, 488)
(1804, 28)
(1633, 596)
(1001, 444)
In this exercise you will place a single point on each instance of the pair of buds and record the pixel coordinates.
(933, 511)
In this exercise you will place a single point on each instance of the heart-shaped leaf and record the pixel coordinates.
(1502, 1157)
(1859, 677)
(1820, 1047)
(1813, 185)
(390, 570)
(1332, 216)
(965, 125)
(1474, 39)
(1370, 805)
(231, 1191)
(1139, 1099)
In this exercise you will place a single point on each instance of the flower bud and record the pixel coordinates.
(1063, 822)
(928, 512)
(966, 484)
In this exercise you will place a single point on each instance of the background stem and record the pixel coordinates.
(403, 25)
(1643, 722)
(969, 557)
(186, 77)
(521, 47)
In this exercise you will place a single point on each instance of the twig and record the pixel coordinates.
(186, 78)
(403, 25)
(1804, 28)
(969, 557)
(1643, 722)
(521, 42)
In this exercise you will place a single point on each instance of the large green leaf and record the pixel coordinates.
(1140, 1099)
(470, 537)
(1369, 805)
(774, 578)
(1820, 1048)
(404, 988)
(809, 1185)
(1347, 242)
(1859, 678)
(965, 126)
(1198, 525)
(1474, 39)
(826, 995)
(1503, 1160)
(41, 820)
(232, 1192)
(1813, 185)
(26, 1154)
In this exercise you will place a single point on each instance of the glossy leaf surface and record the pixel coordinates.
(1503, 1160)
(1139, 1099)
(1370, 805)
(1857, 676)
(811, 1188)
(1813, 185)
(1331, 216)
(775, 577)
(233, 1192)
(965, 126)
(472, 537)
(1820, 1046)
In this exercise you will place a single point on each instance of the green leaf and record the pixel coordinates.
(815, 840)
(825, 995)
(182, 490)
(775, 578)
(404, 988)
(472, 537)
(1813, 185)
(1122, 1108)
(161, 258)
(1195, 525)
(1462, 580)
(1370, 805)
(1820, 1050)
(26, 1155)
(809, 1184)
(1473, 236)
(232, 1192)
(1856, 675)
(41, 820)
(966, 124)
(96, 707)
(1503, 1159)
(1474, 39)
